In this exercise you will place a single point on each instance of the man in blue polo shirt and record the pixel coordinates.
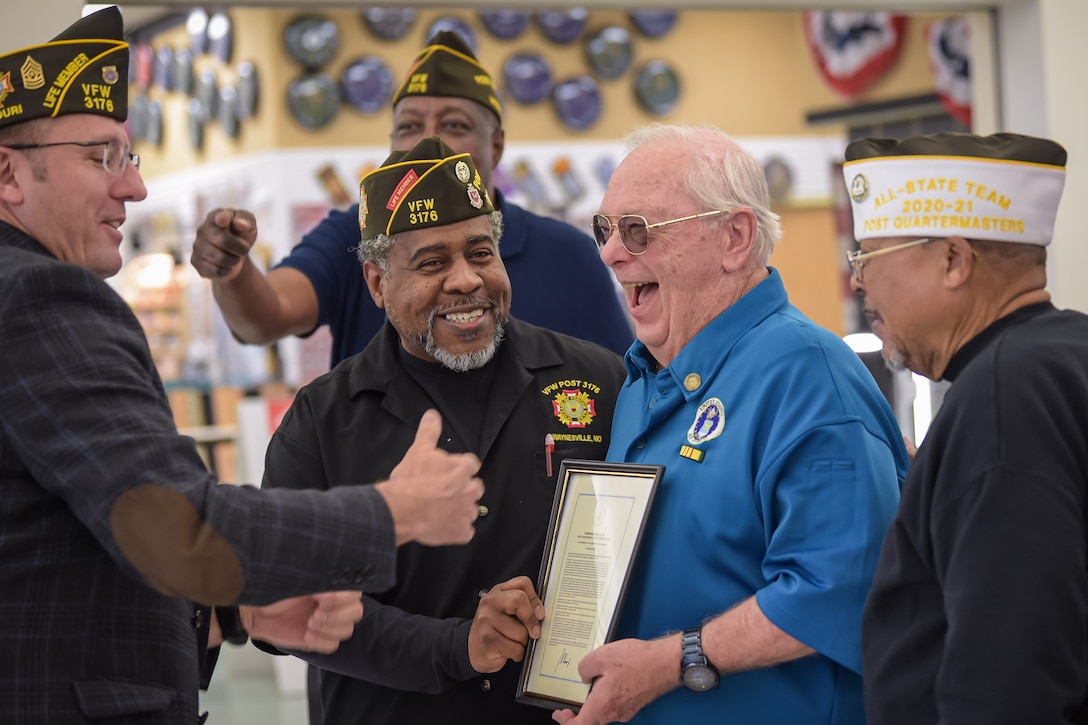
(558, 280)
(782, 459)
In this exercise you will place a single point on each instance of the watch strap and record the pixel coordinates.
(230, 625)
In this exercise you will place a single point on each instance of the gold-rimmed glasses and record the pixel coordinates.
(634, 229)
(857, 258)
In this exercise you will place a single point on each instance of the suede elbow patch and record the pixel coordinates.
(166, 539)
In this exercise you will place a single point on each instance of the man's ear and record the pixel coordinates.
(739, 235)
(374, 275)
(959, 262)
(10, 190)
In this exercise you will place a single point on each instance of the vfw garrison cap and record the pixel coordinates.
(426, 186)
(82, 70)
(1003, 187)
(447, 67)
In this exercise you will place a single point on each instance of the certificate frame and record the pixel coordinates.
(598, 518)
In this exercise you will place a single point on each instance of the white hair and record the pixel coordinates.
(720, 174)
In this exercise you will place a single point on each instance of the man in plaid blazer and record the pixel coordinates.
(110, 525)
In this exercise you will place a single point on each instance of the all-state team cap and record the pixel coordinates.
(447, 67)
(1005, 187)
(426, 186)
(82, 70)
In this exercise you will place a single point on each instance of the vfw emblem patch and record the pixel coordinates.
(574, 408)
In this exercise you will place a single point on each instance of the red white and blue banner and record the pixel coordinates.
(949, 43)
(853, 50)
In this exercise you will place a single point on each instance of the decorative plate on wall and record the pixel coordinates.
(182, 72)
(653, 23)
(313, 99)
(249, 90)
(137, 118)
(389, 23)
(228, 111)
(657, 87)
(154, 123)
(197, 121)
(367, 84)
(162, 74)
(206, 93)
(578, 102)
(527, 77)
(562, 26)
(457, 25)
(221, 37)
(196, 26)
(144, 62)
(312, 40)
(505, 24)
(609, 51)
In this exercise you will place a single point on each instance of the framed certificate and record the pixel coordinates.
(598, 517)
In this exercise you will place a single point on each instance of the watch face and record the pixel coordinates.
(699, 678)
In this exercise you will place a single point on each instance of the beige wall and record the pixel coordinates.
(748, 72)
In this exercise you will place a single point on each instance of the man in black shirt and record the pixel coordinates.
(979, 607)
(443, 645)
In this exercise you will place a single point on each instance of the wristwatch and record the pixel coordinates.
(695, 671)
(230, 625)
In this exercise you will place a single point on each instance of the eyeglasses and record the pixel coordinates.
(634, 229)
(115, 157)
(857, 258)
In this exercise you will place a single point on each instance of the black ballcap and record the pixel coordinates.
(82, 70)
(426, 186)
(447, 67)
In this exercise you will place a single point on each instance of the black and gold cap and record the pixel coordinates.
(447, 67)
(1004, 187)
(426, 186)
(82, 70)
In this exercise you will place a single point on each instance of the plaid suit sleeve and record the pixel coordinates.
(86, 415)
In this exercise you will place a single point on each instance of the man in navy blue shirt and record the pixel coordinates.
(558, 279)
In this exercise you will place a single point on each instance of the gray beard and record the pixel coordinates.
(894, 360)
(464, 362)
